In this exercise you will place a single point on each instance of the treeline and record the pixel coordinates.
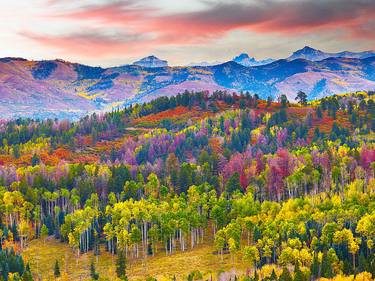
(112, 124)
(101, 126)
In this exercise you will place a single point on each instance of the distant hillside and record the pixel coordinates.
(67, 90)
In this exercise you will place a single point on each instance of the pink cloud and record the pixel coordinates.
(267, 16)
(119, 12)
(181, 28)
(91, 45)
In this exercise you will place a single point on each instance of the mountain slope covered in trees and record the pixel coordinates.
(271, 190)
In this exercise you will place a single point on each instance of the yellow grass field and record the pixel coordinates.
(42, 256)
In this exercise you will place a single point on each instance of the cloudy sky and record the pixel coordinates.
(105, 32)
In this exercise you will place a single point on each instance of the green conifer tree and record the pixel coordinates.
(27, 276)
(298, 274)
(94, 275)
(273, 275)
(326, 267)
(56, 270)
(285, 275)
(256, 276)
(315, 267)
(121, 266)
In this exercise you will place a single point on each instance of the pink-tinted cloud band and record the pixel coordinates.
(151, 27)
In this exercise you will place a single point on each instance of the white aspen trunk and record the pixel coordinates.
(196, 236)
(181, 240)
(192, 238)
(170, 244)
(146, 238)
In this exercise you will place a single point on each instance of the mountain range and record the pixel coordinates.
(61, 89)
(306, 53)
(246, 60)
(312, 54)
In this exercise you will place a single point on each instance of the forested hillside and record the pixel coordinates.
(269, 190)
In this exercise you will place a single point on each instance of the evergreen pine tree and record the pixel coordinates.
(35, 160)
(256, 276)
(347, 266)
(326, 267)
(121, 266)
(94, 275)
(56, 270)
(285, 275)
(283, 100)
(16, 151)
(27, 276)
(315, 267)
(273, 275)
(298, 274)
(363, 264)
(113, 155)
(319, 113)
(27, 267)
(316, 135)
(233, 184)
(269, 101)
